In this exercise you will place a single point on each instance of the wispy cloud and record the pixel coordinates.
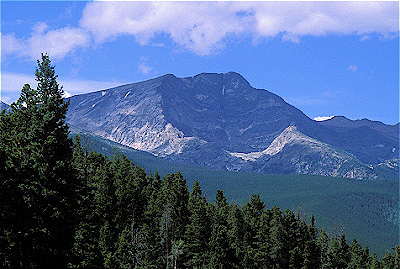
(365, 38)
(330, 93)
(352, 67)
(12, 83)
(143, 66)
(322, 118)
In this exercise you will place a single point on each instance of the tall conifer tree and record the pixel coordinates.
(38, 161)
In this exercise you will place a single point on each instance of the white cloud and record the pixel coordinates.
(10, 44)
(199, 27)
(322, 118)
(143, 67)
(366, 37)
(352, 67)
(202, 27)
(57, 43)
(12, 83)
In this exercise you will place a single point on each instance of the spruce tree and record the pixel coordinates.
(38, 174)
(222, 254)
(198, 231)
(357, 258)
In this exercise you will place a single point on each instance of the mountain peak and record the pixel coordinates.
(223, 78)
(168, 76)
(235, 74)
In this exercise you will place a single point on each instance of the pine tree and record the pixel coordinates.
(388, 260)
(263, 242)
(38, 174)
(296, 259)
(343, 254)
(85, 249)
(397, 257)
(236, 233)
(323, 245)
(373, 262)
(279, 247)
(198, 231)
(222, 255)
(252, 212)
(358, 257)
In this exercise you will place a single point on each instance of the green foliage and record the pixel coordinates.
(38, 187)
(198, 230)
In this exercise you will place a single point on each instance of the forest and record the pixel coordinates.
(63, 206)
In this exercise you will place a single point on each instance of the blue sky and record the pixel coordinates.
(325, 58)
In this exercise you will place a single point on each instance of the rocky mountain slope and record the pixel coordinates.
(294, 152)
(221, 121)
(371, 141)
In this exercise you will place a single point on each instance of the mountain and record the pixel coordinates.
(347, 124)
(371, 141)
(294, 152)
(4, 106)
(221, 121)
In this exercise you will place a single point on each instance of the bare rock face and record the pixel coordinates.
(220, 121)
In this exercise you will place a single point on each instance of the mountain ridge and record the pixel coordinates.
(203, 119)
(344, 122)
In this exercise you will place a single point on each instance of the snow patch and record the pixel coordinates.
(322, 118)
(103, 93)
(93, 105)
(200, 96)
(252, 156)
(241, 131)
(126, 94)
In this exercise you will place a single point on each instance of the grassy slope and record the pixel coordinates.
(365, 210)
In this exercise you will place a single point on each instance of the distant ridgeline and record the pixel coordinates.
(222, 122)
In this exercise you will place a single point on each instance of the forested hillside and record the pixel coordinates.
(63, 206)
(357, 208)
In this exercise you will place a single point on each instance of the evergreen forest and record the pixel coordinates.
(63, 206)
